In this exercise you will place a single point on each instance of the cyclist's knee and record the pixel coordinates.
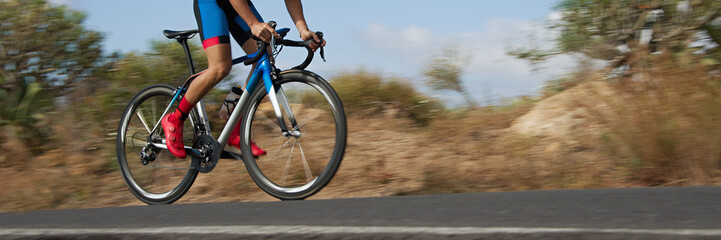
(219, 71)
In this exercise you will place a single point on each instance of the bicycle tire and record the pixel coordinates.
(148, 181)
(312, 98)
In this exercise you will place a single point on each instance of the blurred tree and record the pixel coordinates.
(44, 52)
(444, 72)
(615, 30)
(45, 44)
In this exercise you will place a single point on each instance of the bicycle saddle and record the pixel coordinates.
(179, 34)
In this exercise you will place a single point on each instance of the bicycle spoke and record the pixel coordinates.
(302, 122)
(272, 124)
(299, 122)
(287, 165)
(142, 119)
(153, 107)
(275, 156)
(303, 117)
(137, 142)
(308, 173)
(318, 147)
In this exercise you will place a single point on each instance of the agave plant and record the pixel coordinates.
(20, 110)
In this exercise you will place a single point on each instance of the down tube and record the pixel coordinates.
(235, 115)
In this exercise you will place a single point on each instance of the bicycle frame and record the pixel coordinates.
(264, 70)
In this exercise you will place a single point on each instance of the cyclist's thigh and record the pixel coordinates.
(237, 26)
(212, 22)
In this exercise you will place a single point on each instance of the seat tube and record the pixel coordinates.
(188, 56)
(203, 117)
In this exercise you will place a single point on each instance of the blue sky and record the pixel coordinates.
(395, 38)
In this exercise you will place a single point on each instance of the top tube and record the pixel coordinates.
(243, 58)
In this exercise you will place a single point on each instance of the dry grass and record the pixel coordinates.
(664, 126)
(483, 154)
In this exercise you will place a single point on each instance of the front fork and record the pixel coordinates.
(278, 99)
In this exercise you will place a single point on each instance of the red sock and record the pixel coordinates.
(184, 107)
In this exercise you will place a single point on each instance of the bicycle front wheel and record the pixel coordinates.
(160, 178)
(298, 164)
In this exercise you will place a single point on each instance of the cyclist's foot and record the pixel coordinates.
(235, 148)
(234, 140)
(173, 128)
(257, 151)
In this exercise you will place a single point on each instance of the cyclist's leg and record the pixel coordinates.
(242, 35)
(213, 28)
(231, 100)
(249, 46)
(214, 34)
(219, 63)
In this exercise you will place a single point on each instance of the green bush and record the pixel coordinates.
(369, 94)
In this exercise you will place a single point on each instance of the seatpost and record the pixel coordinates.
(184, 42)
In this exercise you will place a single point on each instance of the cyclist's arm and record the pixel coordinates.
(259, 29)
(295, 9)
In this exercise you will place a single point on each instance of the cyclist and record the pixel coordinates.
(216, 19)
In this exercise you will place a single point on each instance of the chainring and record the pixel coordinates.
(211, 151)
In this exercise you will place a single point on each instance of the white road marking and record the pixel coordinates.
(260, 230)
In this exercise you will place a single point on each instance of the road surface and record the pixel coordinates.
(636, 213)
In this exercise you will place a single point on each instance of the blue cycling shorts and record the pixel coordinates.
(217, 18)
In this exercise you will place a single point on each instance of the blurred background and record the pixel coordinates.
(441, 97)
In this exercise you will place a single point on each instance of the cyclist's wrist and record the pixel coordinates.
(302, 26)
(253, 23)
(304, 32)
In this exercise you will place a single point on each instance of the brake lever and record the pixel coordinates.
(322, 52)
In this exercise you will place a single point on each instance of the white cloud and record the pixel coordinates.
(407, 42)
(490, 68)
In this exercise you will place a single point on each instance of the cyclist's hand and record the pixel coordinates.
(263, 31)
(307, 34)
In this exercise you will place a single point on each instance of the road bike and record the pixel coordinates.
(294, 114)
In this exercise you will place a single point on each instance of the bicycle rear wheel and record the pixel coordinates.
(163, 178)
(296, 166)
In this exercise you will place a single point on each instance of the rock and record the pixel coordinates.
(569, 114)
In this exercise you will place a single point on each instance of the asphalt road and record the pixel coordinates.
(638, 213)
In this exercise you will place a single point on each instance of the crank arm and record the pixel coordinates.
(188, 150)
(194, 152)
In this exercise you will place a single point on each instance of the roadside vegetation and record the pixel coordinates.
(650, 117)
